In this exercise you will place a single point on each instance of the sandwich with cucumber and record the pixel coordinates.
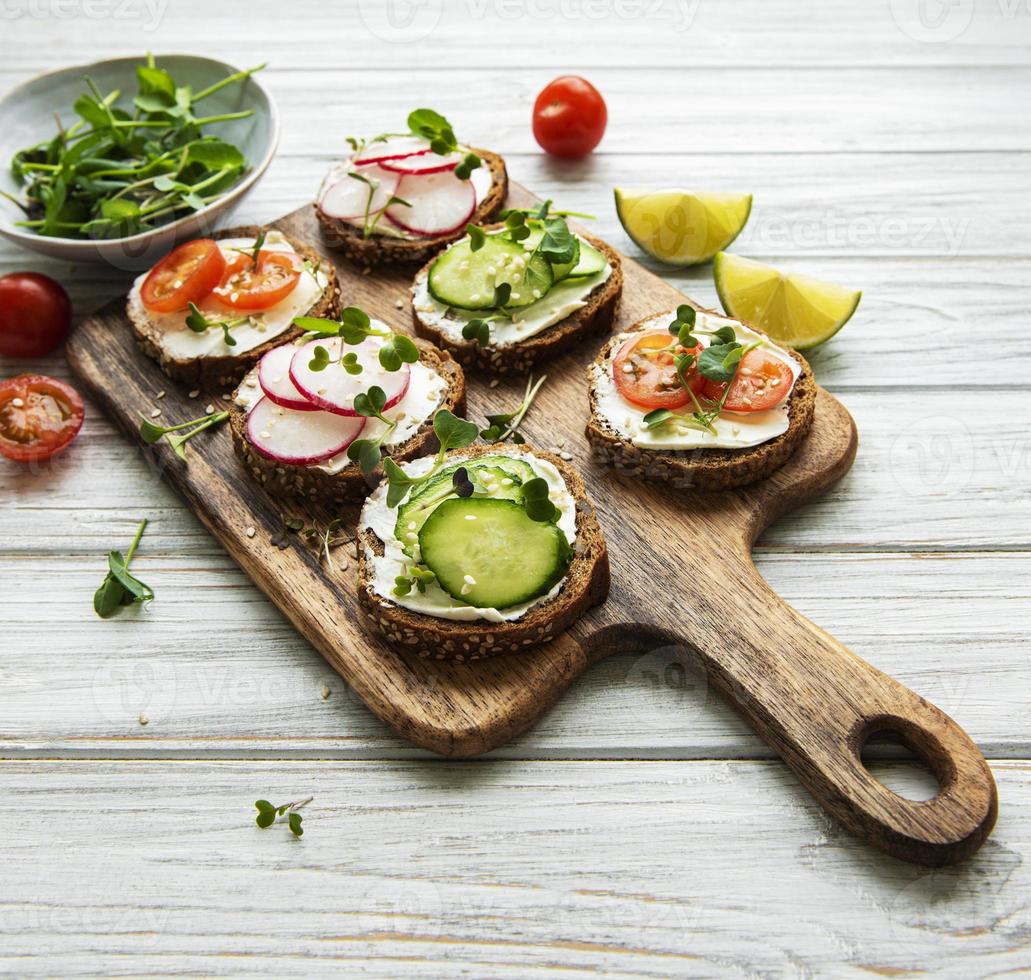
(401, 197)
(507, 296)
(213, 307)
(478, 551)
(698, 400)
(315, 416)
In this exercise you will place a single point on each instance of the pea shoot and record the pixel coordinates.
(127, 166)
(505, 425)
(175, 435)
(119, 587)
(452, 433)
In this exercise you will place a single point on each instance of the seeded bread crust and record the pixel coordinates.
(586, 586)
(703, 469)
(595, 318)
(386, 249)
(349, 484)
(223, 371)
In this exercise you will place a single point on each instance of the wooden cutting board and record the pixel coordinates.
(682, 581)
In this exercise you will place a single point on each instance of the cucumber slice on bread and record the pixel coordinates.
(466, 279)
(489, 553)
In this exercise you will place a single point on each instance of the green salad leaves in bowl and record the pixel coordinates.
(120, 160)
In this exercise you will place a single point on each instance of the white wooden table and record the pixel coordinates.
(640, 829)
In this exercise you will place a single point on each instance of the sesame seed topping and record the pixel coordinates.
(250, 532)
(470, 517)
(160, 394)
(143, 720)
(194, 393)
(507, 481)
(465, 589)
(155, 413)
(494, 382)
(266, 434)
(18, 402)
(468, 579)
(209, 408)
(536, 294)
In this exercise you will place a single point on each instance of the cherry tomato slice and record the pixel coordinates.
(569, 117)
(39, 416)
(245, 287)
(762, 382)
(649, 378)
(186, 275)
(35, 314)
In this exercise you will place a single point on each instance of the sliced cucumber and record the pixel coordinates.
(488, 553)
(466, 279)
(487, 479)
(591, 261)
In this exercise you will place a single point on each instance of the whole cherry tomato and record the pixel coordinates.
(569, 117)
(35, 314)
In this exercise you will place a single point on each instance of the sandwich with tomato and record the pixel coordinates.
(211, 308)
(698, 400)
(401, 197)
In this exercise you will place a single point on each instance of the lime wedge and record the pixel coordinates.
(681, 227)
(799, 311)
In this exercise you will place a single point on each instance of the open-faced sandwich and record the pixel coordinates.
(400, 197)
(213, 306)
(477, 552)
(698, 400)
(507, 296)
(314, 417)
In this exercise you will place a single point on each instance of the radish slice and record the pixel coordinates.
(348, 198)
(392, 148)
(299, 438)
(332, 389)
(274, 378)
(423, 163)
(437, 204)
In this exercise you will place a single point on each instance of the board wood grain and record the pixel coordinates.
(683, 577)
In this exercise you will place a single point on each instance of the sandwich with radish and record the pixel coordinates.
(401, 197)
(507, 296)
(315, 416)
(698, 400)
(211, 308)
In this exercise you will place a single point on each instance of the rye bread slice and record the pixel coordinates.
(380, 249)
(222, 371)
(595, 318)
(702, 469)
(349, 484)
(586, 586)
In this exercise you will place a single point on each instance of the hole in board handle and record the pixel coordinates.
(905, 759)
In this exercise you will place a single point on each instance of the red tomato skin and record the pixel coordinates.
(753, 392)
(35, 315)
(197, 284)
(569, 117)
(38, 393)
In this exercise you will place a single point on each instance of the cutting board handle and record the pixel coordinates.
(818, 704)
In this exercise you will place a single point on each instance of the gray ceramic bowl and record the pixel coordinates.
(27, 117)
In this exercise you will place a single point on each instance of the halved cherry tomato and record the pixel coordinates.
(646, 374)
(39, 416)
(762, 382)
(186, 275)
(245, 287)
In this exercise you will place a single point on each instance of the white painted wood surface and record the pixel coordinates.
(883, 152)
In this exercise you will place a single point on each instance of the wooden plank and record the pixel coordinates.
(953, 484)
(788, 111)
(548, 33)
(254, 687)
(485, 869)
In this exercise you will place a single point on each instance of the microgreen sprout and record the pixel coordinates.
(417, 578)
(199, 323)
(505, 426)
(366, 452)
(119, 588)
(268, 814)
(175, 435)
(451, 432)
(537, 502)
